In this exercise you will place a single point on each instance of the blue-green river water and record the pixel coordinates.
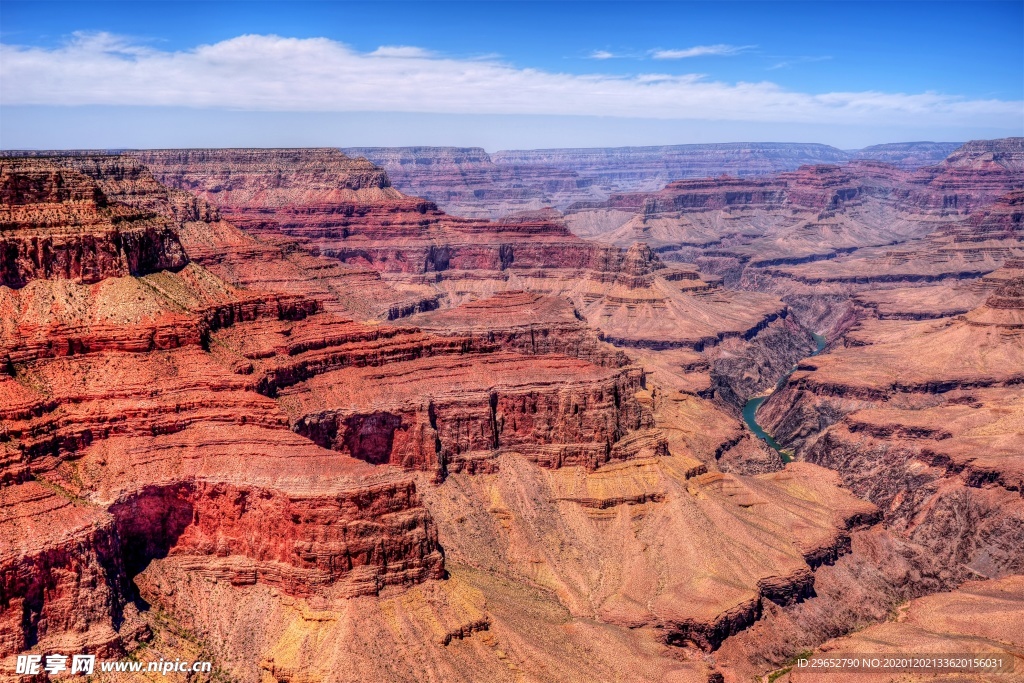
(750, 409)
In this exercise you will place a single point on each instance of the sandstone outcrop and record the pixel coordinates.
(447, 415)
(523, 321)
(58, 224)
(124, 438)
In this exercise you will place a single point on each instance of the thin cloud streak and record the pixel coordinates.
(785, 64)
(271, 73)
(719, 50)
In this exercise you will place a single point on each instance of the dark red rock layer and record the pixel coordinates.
(56, 223)
(341, 208)
(447, 415)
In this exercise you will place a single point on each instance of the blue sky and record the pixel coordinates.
(506, 74)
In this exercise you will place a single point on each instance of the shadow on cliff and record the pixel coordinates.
(148, 526)
(371, 437)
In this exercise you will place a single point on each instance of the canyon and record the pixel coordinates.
(279, 410)
(468, 181)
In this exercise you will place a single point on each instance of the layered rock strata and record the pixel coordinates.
(446, 415)
(467, 182)
(920, 417)
(123, 440)
(908, 154)
(58, 224)
(337, 207)
(818, 235)
(472, 183)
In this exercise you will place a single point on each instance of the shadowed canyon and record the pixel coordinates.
(433, 414)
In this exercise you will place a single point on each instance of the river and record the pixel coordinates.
(750, 409)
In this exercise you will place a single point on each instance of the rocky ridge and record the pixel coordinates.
(946, 389)
(920, 415)
(60, 225)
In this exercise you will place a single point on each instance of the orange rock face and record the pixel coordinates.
(980, 621)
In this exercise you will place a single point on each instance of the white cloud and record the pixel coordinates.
(701, 51)
(668, 78)
(601, 54)
(271, 73)
(401, 51)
